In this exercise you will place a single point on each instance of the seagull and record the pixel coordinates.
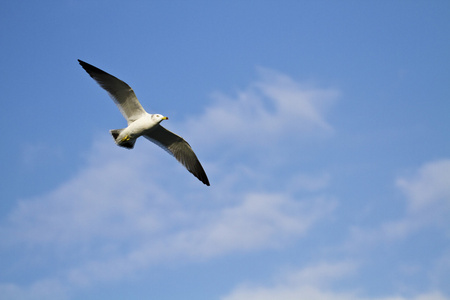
(141, 123)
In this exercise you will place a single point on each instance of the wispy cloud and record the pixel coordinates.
(271, 109)
(428, 188)
(40, 290)
(314, 282)
(259, 221)
(115, 220)
(427, 198)
(422, 221)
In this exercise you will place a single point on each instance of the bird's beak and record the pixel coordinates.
(165, 118)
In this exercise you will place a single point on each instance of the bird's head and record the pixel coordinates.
(158, 118)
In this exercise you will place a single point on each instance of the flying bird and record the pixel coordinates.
(141, 123)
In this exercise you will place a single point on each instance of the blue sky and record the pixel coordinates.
(323, 127)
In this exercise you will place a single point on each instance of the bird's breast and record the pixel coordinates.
(142, 124)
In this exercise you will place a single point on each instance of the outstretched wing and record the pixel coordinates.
(179, 148)
(122, 94)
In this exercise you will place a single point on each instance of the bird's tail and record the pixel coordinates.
(124, 142)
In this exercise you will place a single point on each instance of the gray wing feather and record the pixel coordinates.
(179, 148)
(122, 94)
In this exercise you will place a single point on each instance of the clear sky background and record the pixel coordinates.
(323, 127)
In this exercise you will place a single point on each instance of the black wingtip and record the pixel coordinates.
(201, 175)
(199, 172)
(94, 71)
(88, 67)
(206, 181)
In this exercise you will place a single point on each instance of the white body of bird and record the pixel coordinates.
(126, 137)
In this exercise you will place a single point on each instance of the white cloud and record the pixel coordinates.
(322, 274)
(313, 293)
(308, 182)
(427, 193)
(40, 290)
(312, 283)
(257, 221)
(301, 106)
(429, 187)
(271, 109)
(116, 198)
(428, 199)
(108, 199)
